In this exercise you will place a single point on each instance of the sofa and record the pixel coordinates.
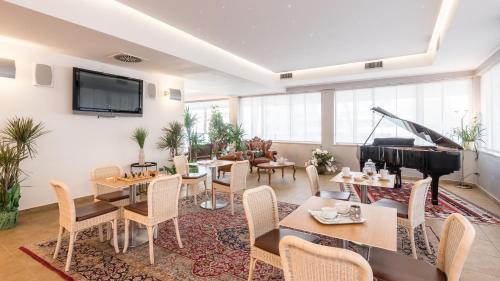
(259, 151)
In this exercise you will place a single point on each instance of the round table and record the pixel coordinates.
(271, 166)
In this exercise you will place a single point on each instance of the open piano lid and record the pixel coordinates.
(419, 130)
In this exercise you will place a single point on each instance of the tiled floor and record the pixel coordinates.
(483, 262)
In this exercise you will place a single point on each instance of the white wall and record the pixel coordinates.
(76, 143)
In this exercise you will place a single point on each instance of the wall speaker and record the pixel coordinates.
(151, 90)
(42, 75)
(175, 94)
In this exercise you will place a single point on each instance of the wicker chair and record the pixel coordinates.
(454, 246)
(118, 198)
(162, 205)
(74, 219)
(413, 215)
(312, 176)
(237, 182)
(261, 210)
(192, 180)
(306, 261)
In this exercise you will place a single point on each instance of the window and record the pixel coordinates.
(294, 117)
(203, 111)
(438, 106)
(490, 115)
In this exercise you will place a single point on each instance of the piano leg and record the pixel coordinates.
(435, 188)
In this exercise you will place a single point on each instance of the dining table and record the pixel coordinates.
(378, 230)
(138, 235)
(213, 165)
(364, 182)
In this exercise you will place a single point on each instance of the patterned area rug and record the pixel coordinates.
(215, 248)
(448, 203)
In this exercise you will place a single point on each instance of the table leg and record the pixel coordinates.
(344, 243)
(258, 174)
(283, 172)
(213, 203)
(294, 172)
(269, 172)
(364, 194)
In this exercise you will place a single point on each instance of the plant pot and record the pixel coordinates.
(321, 170)
(8, 219)
(469, 145)
(141, 156)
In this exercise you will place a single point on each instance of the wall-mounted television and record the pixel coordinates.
(104, 94)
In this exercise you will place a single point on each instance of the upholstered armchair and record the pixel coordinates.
(259, 151)
(232, 156)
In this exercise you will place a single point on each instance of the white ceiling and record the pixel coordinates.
(296, 34)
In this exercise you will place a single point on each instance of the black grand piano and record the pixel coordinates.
(440, 159)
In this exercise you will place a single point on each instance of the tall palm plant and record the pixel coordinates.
(237, 133)
(172, 138)
(190, 121)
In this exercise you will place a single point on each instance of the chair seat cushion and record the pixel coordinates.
(391, 266)
(223, 181)
(93, 210)
(261, 160)
(270, 241)
(402, 208)
(193, 175)
(337, 195)
(113, 196)
(139, 207)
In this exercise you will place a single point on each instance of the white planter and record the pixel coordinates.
(141, 156)
(469, 145)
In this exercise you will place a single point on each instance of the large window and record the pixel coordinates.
(490, 100)
(293, 117)
(437, 105)
(203, 111)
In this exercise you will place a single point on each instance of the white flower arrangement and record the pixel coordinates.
(322, 158)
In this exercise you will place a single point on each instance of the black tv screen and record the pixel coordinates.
(101, 93)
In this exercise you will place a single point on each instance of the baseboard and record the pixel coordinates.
(80, 200)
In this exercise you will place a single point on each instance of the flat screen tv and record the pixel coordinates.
(105, 94)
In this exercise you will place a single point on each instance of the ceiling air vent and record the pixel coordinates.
(287, 75)
(127, 58)
(374, 64)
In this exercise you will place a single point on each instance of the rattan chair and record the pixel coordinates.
(455, 242)
(192, 180)
(313, 178)
(162, 205)
(306, 261)
(261, 210)
(74, 219)
(237, 182)
(118, 198)
(413, 215)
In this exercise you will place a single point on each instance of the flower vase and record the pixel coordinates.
(141, 156)
(469, 145)
(321, 170)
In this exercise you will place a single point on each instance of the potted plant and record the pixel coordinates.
(195, 141)
(190, 121)
(139, 135)
(218, 131)
(172, 138)
(236, 135)
(17, 143)
(323, 160)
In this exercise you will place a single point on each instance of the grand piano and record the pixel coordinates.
(436, 160)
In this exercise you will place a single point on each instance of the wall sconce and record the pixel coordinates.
(7, 68)
(175, 94)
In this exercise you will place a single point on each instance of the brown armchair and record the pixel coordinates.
(233, 156)
(259, 151)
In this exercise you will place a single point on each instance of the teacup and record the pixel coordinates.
(346, 171)
(329, 212)
(343, 209)
(384, 173)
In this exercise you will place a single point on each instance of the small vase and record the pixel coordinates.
(321, 170)
(469, 145)
(8, 219)
(141, 156)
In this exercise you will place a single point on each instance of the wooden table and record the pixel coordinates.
(213, 166)
(376, 181)
(380, 229)
(271, 166)
(138, 236)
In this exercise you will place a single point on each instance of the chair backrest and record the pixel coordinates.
(454, 246)
(261, 210)
(102, 173)
(418, 197)
(313, 178)
(306, 261)
(67, 214)
(163, 198)
(181, 164)
(239, 173)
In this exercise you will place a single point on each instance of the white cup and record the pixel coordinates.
(329, 212)
(346, 171)
(384, 173)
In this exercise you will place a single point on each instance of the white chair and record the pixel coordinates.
(306, 261)
(261, 210)
(313, 178)
(192, 180)
(237, 182)
(413, 215)
(454, 246)
(118, 198)
(162, 205)
(74, 219)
